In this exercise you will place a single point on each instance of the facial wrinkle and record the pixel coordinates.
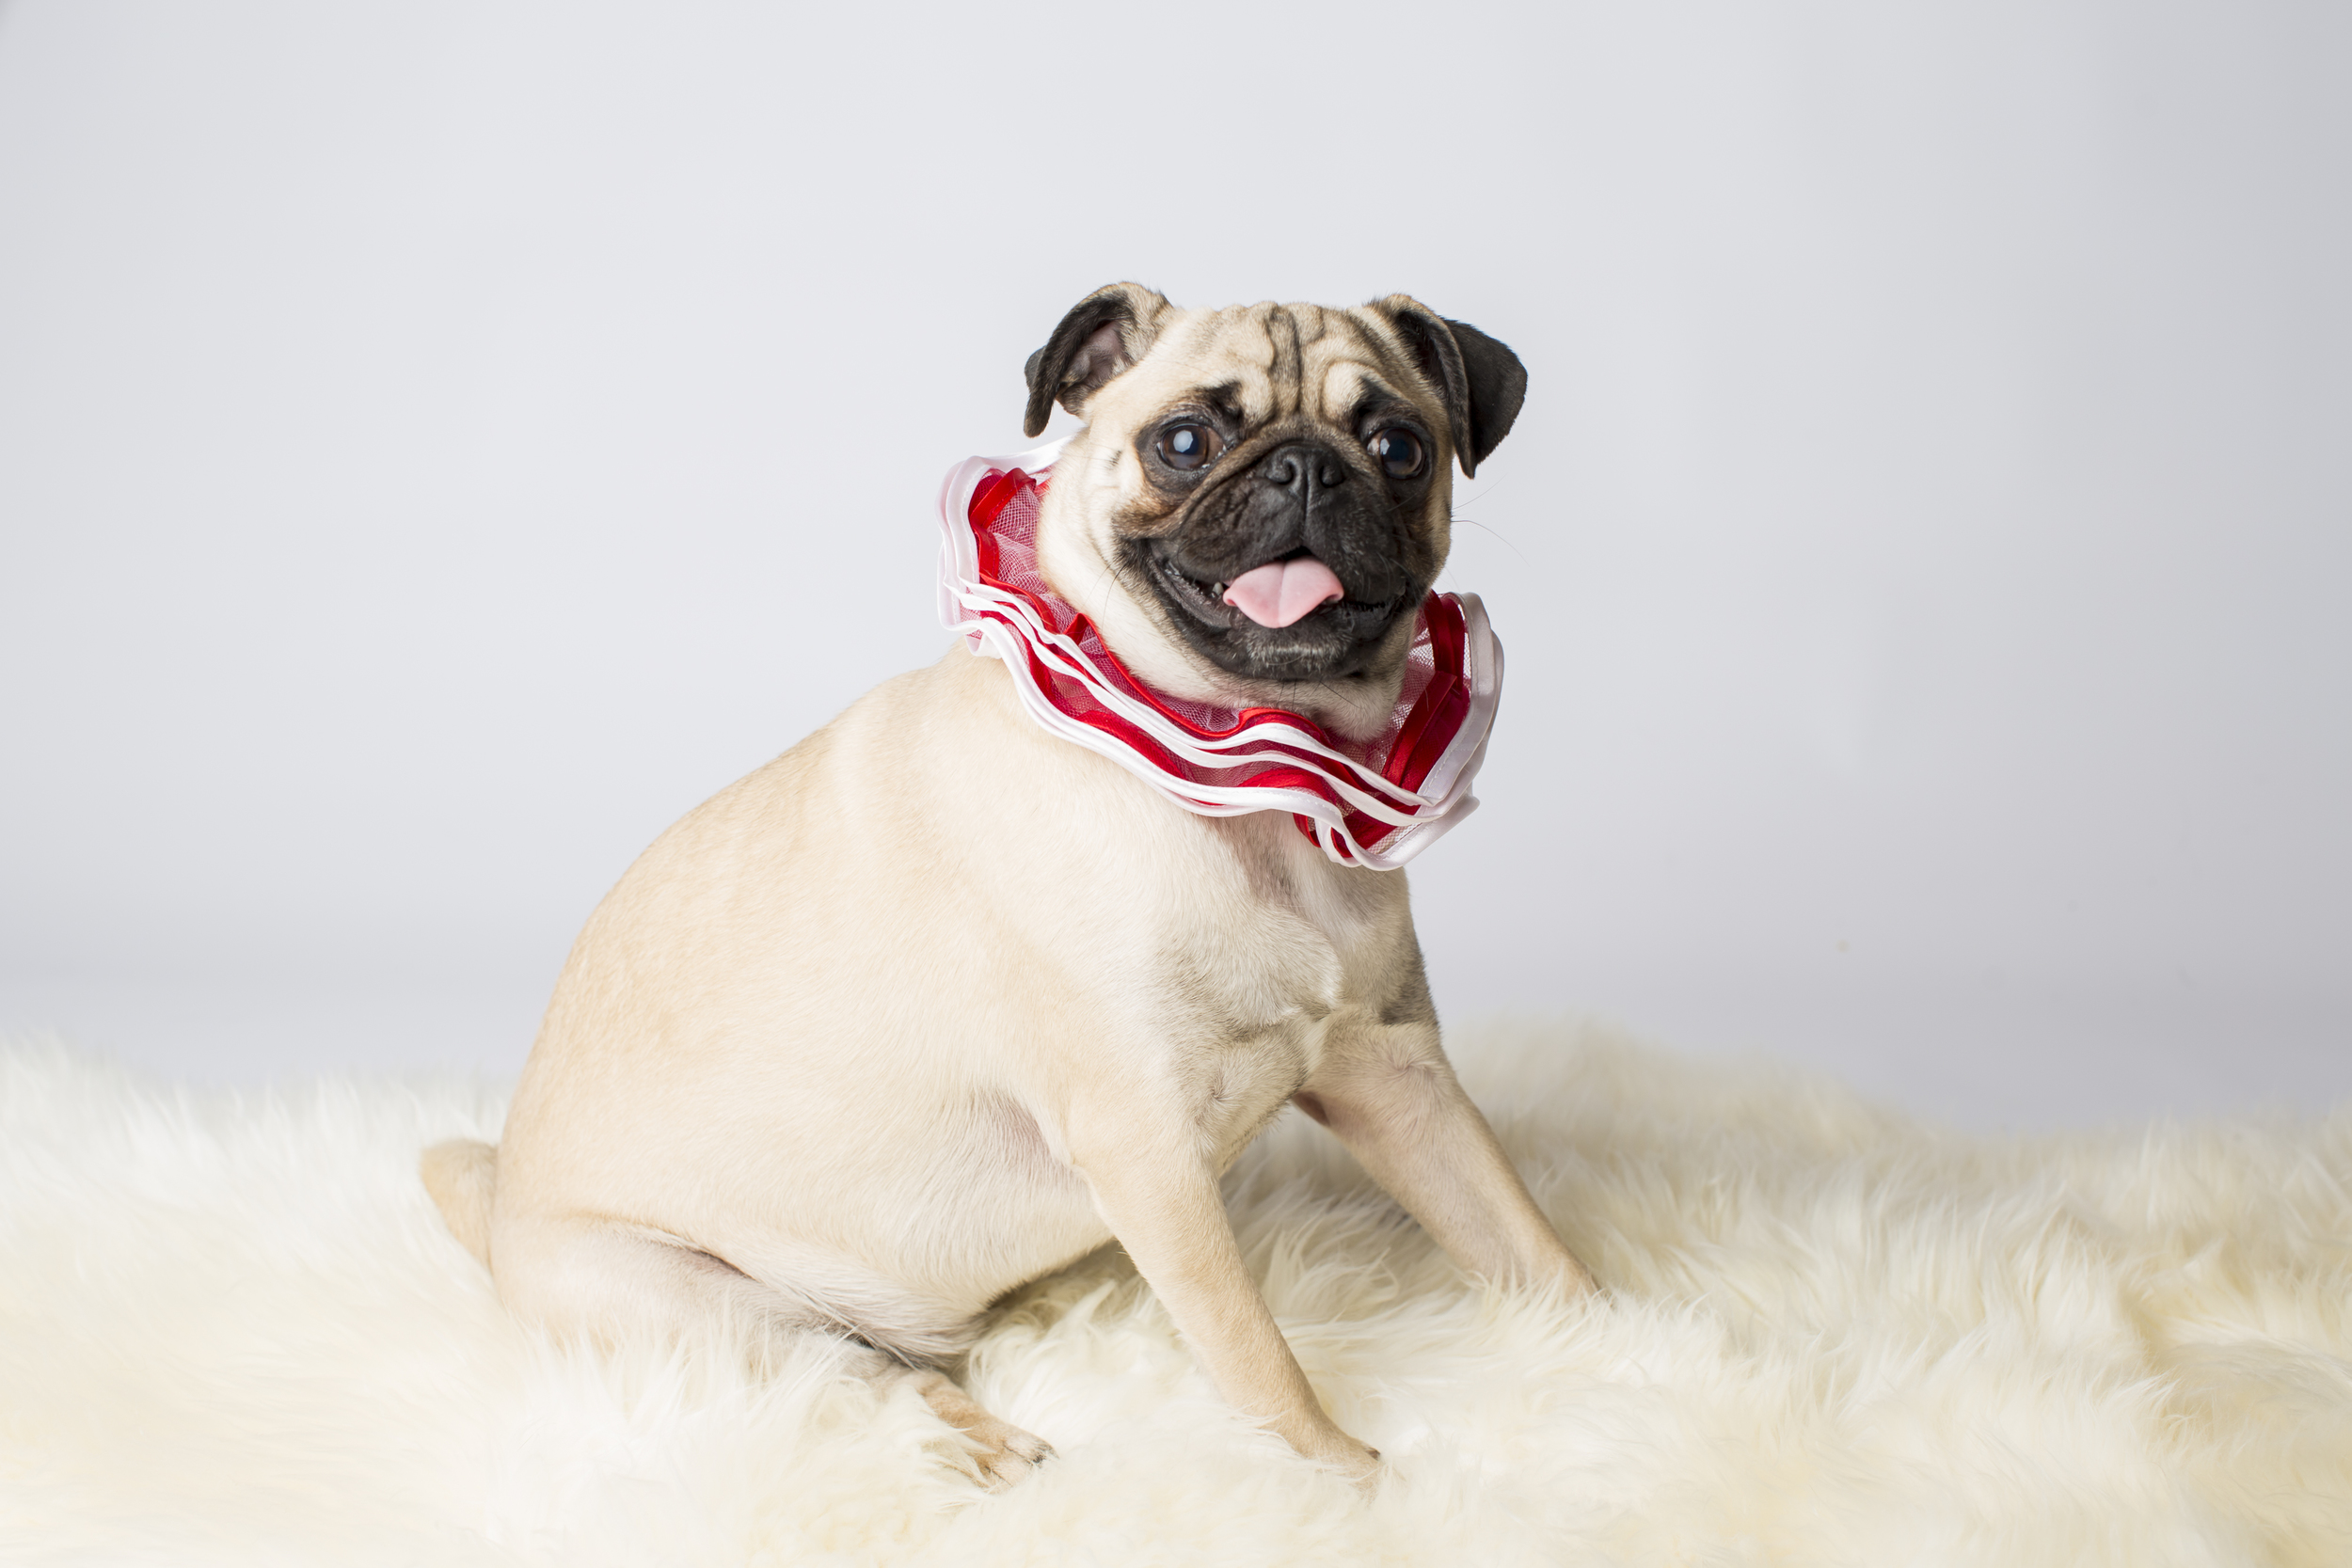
(1316, 327)
(1286, 372)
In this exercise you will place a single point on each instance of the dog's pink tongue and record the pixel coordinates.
(1280, 592)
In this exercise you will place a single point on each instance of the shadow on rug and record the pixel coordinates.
(234, 1331)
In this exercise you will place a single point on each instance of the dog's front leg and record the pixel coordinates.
(1157, 1192)
(1391, 1095)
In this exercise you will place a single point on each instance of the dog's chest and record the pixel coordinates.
(1259, 963)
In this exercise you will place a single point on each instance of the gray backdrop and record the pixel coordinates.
(439, 444)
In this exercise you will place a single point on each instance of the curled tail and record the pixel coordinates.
(460, 1175)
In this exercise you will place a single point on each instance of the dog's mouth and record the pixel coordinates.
(1291, 618)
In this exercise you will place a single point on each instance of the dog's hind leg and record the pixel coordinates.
(590, 1279)
(607, 1282)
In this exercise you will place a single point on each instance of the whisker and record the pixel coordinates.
(1501, 538)
(1484, 490)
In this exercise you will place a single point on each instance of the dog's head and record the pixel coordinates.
(1261, 496)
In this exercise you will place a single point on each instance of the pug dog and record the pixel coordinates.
(936, 1002)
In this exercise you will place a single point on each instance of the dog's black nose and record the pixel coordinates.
(1301, 466)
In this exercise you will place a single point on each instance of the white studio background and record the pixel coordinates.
(439, 444)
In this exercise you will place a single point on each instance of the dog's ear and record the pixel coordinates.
(1482, 382)
(1103, 334)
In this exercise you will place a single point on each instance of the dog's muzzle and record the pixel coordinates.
(1293, 568)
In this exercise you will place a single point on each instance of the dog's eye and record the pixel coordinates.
(1187, 446)
(1399, 451)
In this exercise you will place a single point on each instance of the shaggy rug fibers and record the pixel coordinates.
(233, 1330)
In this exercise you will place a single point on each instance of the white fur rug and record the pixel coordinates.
(233, 1331)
